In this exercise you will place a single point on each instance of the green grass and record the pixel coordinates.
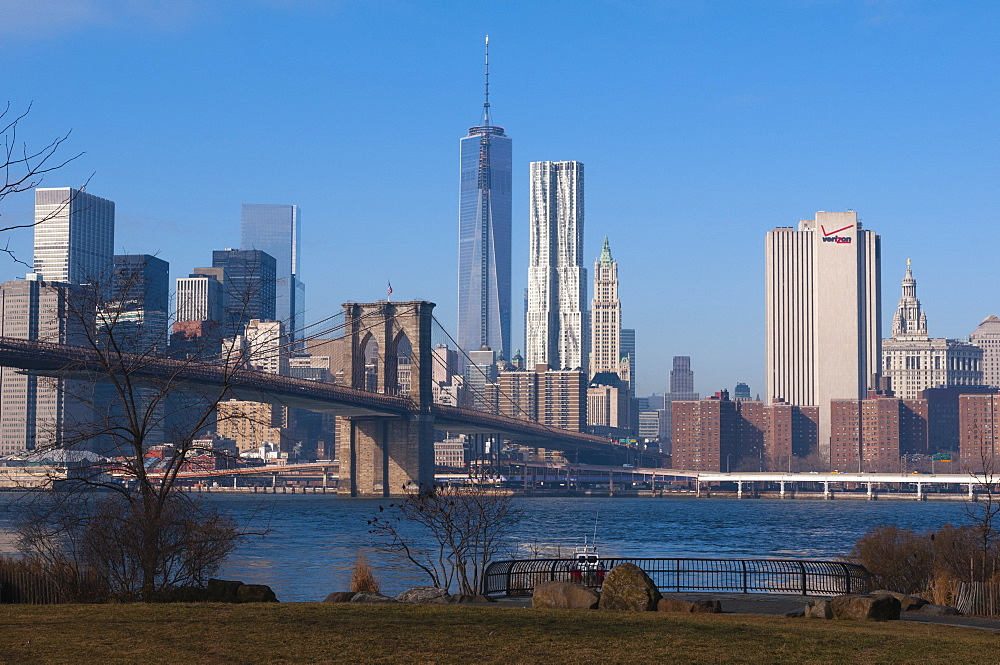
(318, 633)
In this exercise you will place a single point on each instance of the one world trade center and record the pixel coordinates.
(484, 226)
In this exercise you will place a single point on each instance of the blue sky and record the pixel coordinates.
(702, 125)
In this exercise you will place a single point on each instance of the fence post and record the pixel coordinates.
(802, 566)
(847, 578)
(744, 575)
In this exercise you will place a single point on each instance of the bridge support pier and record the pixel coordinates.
(386, 456)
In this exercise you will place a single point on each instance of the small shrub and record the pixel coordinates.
(363, 577)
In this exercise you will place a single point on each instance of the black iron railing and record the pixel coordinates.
(820, 578)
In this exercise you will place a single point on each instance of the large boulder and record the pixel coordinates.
(564, 596)
(368, 597)
(865, 607)
(255, 593)
(464, 599)
(907, 602)
(223, 591)
(939, 610)
(628, 588)
(339, 597)
(689, 605)
(424, 595)
(818, 609)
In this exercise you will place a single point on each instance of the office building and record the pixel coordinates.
(823, 304)
(987, 337)
(681, 388)
(741, 392)
(480, 374)
(37, 412)
(140, 288)
(275, 229)
(558, 321)
(200, 296)
(253, 425)
(249, 289)
(627, 345)
(606, 315)
(74, 236)
(914, 361)
(484, 227)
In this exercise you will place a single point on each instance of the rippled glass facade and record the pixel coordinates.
(484, 229)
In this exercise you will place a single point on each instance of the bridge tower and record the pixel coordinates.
(386, 454)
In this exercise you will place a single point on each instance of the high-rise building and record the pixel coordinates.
(274, 228)
(558, 325)
(681, 380)
(249, 287)
(606, 315)
(140, 288)
(484, 227)
(201, 297)
(74, 236)
(39, 412)
(627, 345)
(914, 361)
(987, 337)
(979, 432)
(872, 434)
(741, 392)
(823, 304)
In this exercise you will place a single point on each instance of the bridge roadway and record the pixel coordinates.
(75, 362)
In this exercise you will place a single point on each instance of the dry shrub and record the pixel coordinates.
(363, 577)
(898, 559)
(930, 563)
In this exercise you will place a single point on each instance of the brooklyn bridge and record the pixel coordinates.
(387, 430)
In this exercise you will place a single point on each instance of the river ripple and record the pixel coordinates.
(312, 541)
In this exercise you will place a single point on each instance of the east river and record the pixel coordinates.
(312, 541)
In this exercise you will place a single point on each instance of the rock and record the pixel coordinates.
(818, 609)
(367, 597)
(423, 595)
(339, 597)
(564, 596)
(223, 591)
(627, 587)
(689, 605)
(255, 593)
(865, 607)
(184, 594)
(795, 614)
(907, 602)
(938, 610)
(464, 599)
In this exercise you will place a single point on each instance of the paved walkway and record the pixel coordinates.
(780, 604)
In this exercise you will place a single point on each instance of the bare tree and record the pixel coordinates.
(152, 416)
(23, 168)
(449, 533)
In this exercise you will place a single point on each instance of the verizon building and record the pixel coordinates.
(823, 314)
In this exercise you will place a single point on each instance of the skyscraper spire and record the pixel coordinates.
(910, 321)
(486, 104)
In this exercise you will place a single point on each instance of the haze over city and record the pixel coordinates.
(701, 125)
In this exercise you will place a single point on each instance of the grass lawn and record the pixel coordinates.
(318, 633)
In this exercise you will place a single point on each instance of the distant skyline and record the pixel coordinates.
(703, 126)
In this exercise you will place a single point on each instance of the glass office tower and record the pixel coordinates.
(484, 240)
(274, 228)
(74, 236)
(249, 287)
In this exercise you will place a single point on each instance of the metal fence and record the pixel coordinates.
(24, 586)
(823, 578)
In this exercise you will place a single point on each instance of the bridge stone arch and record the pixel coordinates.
(384, 455)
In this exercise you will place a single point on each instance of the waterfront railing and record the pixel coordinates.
(780, 576)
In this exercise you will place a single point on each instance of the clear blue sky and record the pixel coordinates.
(702, 125)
